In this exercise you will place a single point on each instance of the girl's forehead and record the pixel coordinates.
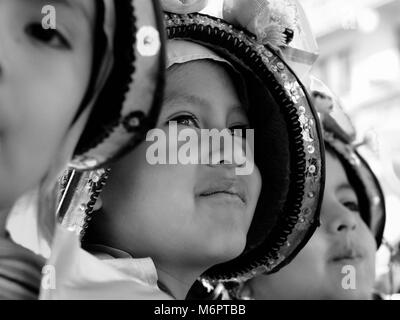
(199, 82)
(201, 74)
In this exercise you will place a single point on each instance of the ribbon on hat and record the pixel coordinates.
(268, 20)
(282, 24)
(184, 6)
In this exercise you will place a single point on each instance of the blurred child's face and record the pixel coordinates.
(195, 214)
(44, 75)
(343, 239)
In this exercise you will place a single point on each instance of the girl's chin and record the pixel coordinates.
(222, 253)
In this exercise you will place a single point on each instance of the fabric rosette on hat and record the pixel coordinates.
(283, 25)
(340, 135)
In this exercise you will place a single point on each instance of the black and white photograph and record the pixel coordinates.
(206, 151)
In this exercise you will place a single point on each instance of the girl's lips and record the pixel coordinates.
(348, 254)
(224, 195)
(225, 189)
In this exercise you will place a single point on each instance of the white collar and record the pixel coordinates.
(142, 269)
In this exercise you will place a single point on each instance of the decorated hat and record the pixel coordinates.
(126, 85)
(288, 148)
(340, 136)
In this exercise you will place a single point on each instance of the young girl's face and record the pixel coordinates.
(343, 242)
(44, 75)
(194, 214)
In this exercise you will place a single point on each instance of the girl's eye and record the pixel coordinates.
(186, 120)
(50, 37)
(352, 206)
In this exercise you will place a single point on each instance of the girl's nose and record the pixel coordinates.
(338, 218)
(229, 152)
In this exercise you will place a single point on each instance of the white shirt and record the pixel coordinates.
(110, 275)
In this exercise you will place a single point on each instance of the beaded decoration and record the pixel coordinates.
(79, 192)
